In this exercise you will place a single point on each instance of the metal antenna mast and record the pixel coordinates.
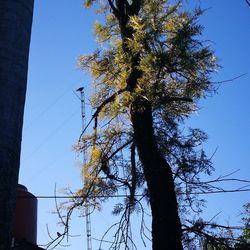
(84, 160)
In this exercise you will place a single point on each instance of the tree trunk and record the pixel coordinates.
(166, 226)
(15, 30)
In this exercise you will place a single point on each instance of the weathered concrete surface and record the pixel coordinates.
(15, 30)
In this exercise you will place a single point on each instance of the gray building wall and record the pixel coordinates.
(15, 30)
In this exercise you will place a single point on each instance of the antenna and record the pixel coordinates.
(84, 161)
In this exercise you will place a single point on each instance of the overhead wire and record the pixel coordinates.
(47, 108)
(124, 196)
(45, 167)
(51, 135)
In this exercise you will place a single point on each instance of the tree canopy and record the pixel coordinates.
(149, 72)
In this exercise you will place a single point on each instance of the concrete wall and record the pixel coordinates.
(15, 30)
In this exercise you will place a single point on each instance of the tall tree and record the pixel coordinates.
(149, 74)
(15, 30)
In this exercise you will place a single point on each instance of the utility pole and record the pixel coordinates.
(84, 161)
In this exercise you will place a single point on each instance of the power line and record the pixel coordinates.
(47, 108)
(72, 197)
(49, 136)
(124, 196)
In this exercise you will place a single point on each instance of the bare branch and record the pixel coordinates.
(120, 148)
(178, 99)
(229, 80)
(113, 8)
(136, 6)
(99, 108)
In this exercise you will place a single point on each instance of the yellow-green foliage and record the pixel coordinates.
(88, 3)
(172, 61)
(102, 32)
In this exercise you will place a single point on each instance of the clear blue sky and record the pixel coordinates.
(62, 30)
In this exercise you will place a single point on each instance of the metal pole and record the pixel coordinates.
(84, 160)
